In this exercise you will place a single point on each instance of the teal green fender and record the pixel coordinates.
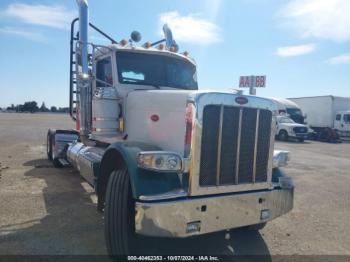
(143, 182)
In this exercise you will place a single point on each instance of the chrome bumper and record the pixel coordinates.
(196, 216)
(302, 135)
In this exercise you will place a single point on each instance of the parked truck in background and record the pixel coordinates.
(286, 128)
(326, 113)
(291, 109)
(165, 159)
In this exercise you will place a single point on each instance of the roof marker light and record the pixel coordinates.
(146, 45)
(161, 46)
(123, 42)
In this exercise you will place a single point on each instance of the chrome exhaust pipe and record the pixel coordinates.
(83, 34)
(84, 83)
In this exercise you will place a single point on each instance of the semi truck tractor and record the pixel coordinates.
(291, 109)
(326, 114)
(166, 159)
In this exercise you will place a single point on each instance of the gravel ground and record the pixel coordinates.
(52, 211)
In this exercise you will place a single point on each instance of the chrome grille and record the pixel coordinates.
(235, 145)
(300, 129)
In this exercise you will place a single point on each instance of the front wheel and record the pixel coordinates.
(283, 135)
(119, 215)
(301, 140)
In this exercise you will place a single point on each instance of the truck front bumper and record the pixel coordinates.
(196, 216)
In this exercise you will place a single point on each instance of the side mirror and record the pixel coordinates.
(305, 115)
(169, 41)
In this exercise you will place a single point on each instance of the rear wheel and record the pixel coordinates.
(119, 215)
(301, 139)
(56, 162)
(283, 135)
(49, 145)
(49, 148)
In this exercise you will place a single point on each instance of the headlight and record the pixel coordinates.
(160, 161)
(280, 158)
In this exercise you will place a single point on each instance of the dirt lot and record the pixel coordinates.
(51, 211)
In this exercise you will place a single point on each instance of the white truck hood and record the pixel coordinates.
(158, 117)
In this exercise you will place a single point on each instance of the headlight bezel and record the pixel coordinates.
(160, 161)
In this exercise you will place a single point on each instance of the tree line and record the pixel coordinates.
(33, 107)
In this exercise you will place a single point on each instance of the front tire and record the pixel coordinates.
(119, 215)
(301, 140)
(283, 135)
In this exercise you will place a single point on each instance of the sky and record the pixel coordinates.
(302, 46)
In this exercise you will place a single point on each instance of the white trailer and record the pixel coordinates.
(326, 112)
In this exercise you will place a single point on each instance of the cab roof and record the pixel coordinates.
(102, 50)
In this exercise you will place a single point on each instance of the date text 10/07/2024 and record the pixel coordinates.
(173, 258)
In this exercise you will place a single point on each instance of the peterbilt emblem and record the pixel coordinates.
(154, 118)
(241, 100)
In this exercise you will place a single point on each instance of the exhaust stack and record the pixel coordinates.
(83, 34)
(84, 85)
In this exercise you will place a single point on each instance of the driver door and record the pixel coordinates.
(342, 122)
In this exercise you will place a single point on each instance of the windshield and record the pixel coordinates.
(285, 120)
(155, 70)
(294, 111)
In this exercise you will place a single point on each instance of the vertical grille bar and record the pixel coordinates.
(229, 145)
(238, 145)
(264, 134)
(246, 154)
(218, 159)
(256, 143)
(209, 148)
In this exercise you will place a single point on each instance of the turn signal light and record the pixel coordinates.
(190, 112)
(123, 42)
(121, 124)
(161, 46)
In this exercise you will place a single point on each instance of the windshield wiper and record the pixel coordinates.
(141, 83)
(156, 86)
(150, 84)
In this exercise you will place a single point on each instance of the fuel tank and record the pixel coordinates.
(86, 160)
